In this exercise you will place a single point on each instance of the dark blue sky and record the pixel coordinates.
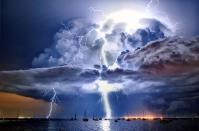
(28, 27)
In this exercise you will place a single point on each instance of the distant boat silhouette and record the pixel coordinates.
(85, 117)
(95, 118)
(128, 119)
(75, 117)
(71, 119)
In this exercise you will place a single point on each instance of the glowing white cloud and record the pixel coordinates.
(130, 17)
(106, 87)
(80, 39)
(124, 21)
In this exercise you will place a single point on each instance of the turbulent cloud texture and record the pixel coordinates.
(166, 55)
(79, 39)
(74, 44)
(160, 92)
(155, 70)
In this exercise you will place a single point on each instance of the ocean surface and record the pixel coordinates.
(101, 125)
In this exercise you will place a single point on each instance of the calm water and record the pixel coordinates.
(104, 125)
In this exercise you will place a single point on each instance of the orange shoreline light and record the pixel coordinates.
(147, 117)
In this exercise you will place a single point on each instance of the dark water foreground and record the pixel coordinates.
(101, 125)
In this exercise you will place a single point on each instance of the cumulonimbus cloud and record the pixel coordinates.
(80, 39)
(69, 65)
(74, 81)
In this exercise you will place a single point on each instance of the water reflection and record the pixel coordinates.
(105, 125)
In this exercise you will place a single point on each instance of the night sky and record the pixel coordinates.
(86, 55)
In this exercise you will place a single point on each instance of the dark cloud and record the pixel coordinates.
(166, 94)
(35, 82)
(168, 55)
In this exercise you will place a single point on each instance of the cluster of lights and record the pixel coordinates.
(24, 117)
(147, 117)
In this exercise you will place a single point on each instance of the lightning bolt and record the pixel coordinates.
(175, 26)
(152, 3)
(104, 61)
(81, 40)
(106, 105)
(51, 103)
(103, 89)
(96, 11)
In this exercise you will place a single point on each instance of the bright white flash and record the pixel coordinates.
(131, 21)
(105, 88)
(129, 17)
(106, 105)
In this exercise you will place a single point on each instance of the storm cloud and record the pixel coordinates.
(155, 69)
(167, 55)
(80, 38)
(157, 93)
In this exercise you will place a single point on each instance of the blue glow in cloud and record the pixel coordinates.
(79, 39)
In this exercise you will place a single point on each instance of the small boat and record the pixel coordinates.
(128, 119)
(95, 119)
(71, 119)
(85, 117)
(144, 119)
(75, 117)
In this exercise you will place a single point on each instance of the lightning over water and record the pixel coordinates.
(51, 103)
(104, 54)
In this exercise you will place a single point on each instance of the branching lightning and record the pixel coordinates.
(51, 103)
(152, 2)
(132, 22)
(104, 87)
(81, 40)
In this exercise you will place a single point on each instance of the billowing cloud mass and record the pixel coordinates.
(159, 92)
(154, 69)
(166, 55)
(155, 92)
(74, 44)
(79, 39)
